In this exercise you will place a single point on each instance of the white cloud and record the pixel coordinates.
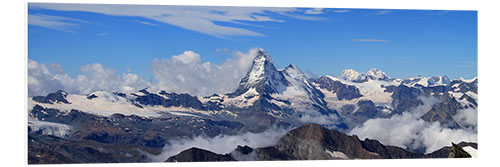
(221, 144)
(56, 68)
(409, 131)
(42, 81)
(330, 119)
(196, 18)
(340, 11)
(145, 23)
(186, 73)
(65, 24)
(314, 11)
(467, 116)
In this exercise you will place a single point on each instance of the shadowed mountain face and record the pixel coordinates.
(314, 142)
(198, 155)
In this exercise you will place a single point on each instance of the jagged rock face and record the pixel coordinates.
(446, 151)
(457, 152)
(316, 139)
(438, 80)
(405, 98)
(343, 92)
(58, 96)
(198, 155)
(263, 76)
(462, 86)
(443, 113)
(172, 99)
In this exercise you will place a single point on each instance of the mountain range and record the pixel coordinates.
(73, 128)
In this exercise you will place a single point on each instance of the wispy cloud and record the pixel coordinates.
(145, 23)
(305, 17)
(381, 12)
(194, 18)
(314, 11)
(370, 40)
(340, 11)
(65, 24)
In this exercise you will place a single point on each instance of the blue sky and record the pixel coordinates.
(128, 38)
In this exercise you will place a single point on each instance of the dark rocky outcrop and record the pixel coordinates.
(343, 91)
(405, 98)
(313, 141)
(198, 155)
(92, 96)
(446, 151)
(172, 99)
(443, 113)
(57, 97)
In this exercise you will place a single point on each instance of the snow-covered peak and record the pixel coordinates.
(373, 74)
(263, 76)
(261, 66)
(427, 81)
(468, 80)
(104, 95)
(439, 80)
(376, 74)
(350, 75)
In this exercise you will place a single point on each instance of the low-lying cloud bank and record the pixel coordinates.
(42, 81)
(184, 73)
(221, 144)
(408, 131)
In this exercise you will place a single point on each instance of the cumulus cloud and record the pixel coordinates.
(186, 73)
(221, 144)
(408, 131)
(183, 73)
(467, 117)
(42, 81)
(314, 11)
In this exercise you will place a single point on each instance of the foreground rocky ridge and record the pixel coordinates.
(313, 142)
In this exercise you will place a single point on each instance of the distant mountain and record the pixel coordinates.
(266, 97)
(313, 142)
(372, 74)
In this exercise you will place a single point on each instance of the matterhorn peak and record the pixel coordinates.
(262, 76)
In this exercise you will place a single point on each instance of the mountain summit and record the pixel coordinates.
(373, 74)
(263, 76)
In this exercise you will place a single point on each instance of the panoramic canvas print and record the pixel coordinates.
(159, 83)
